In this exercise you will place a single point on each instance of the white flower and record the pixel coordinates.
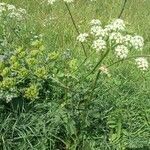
(118, 25)
(109, 28)
(121, 51)
(142, 63)
(68, 1)
(51, 1)
(82, 37)
(137, 42)
(12, 11)
(11, 7)
(2, 9)
(95, 22)
(102, 33)
(98, 31)
(22, 11)
(15, 15)
(127, 39)
(104, 70)
(2, 4)
(95, 30)
(116, 37)
(99, 45)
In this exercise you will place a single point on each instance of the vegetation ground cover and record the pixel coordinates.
(50, 95)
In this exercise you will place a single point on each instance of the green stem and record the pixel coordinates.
(100, 61)
(128, 58)
(123, 8)
(94, 84)
(77, 30)
(98, 74)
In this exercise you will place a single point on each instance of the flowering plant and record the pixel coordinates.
(54, 96)
(25, 72)
(114, 38)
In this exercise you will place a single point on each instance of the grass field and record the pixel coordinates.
(50, 96)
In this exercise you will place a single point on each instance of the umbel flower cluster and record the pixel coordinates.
(114, 38)
(10, 11)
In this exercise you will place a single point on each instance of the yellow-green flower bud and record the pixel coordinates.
(19, 50)
(31, 61)
(22, 54)
(15, 66)
(53, 55)
(36, 43)
(32, 92)
(5, 72)
(23, 72)
(73, 64)
(13, 59)
(8, 83)
(34, 53)
(2, 65)
(42, 48)
(41, 72)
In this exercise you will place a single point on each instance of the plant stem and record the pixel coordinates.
(123, 8)
(77, 30)
(116, 62)
(94, 84)
(98, 74)
(100, 61)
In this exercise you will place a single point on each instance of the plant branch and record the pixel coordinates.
(103, 57)
(128, 58)
(77, 30)
(123, 8)
(98, 74)
(94, 84)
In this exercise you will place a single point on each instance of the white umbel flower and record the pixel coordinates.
(99, 45)
(16, 15)
(82, 37)
(95, 30)
(142, 63)
(11, 7)
(12, 11)
(98, 31)
(104, 70)
(121, 51)
(137, 42)
(118, 25)
(109, 28)
(2, 9)
(3, 4)
(116, 37)
(127, 40)
(51, 2)
(95, 22)
(68, 1)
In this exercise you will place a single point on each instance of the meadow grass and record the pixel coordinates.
(118, 116)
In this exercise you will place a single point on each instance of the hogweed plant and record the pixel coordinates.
(110, 41)
(114, 39)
